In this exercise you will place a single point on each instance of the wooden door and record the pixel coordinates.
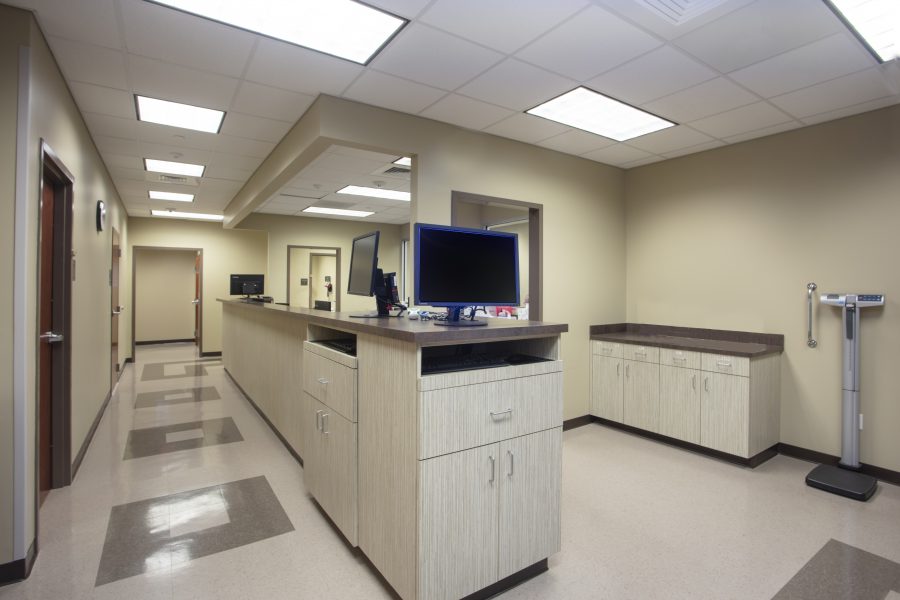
(725, 413)
(198, 271)
(679, 403)
(642, 395)
(607, 388)
(116, 310)
(45, 402)
(530, 481)
(458, 526)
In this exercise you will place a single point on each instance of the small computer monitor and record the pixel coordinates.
(363, 265)
(458, 267)
(247, 285)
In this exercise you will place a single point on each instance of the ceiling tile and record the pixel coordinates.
(741, 120)
(90, 64)
(669, 139)
(125, 162)
(819, 61)
(656, 74)
(105, 125)
(853, 109)
(111, 145)
(487, 23)
(212, 185)
(465, 112)
(290, 67)
(616, 155)
(381, 89)
(517, 85)
(103, 100)
(174, 152)
(526, 128)
(254, 128)
(178, 37)
(174, 136)
(408, 9)
(243, 146)
(694, 149)
(592, 42)
(576, 142)
(758, 133)
(643, 16)
(703, 100)
(179, 84)
(642, 161)
(759, 31)
(88, 21)
(269, 102)
(435, 58)
(836, 94)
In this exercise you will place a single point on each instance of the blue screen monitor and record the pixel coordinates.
(458, 267)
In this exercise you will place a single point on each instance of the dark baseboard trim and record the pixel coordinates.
(577, 422)
(148, 342)
(274, 429)
(18, 570)
(886, 475)
(208, 354)
(510, 582)
(130, 359)
(76, 464)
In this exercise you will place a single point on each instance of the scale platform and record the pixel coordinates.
(836, 480)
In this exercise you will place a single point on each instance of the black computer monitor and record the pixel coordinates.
(458, 267)
(366, 279)
(247, 285)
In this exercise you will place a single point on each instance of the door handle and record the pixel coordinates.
(116, 313)
(493, 465)
(325, 423)
(195, 301)
(706, 383)
(511, 463)
(618, 369)
(693, 382)
(508, 411)
(52, 338)
(626, 370)
(318, 421)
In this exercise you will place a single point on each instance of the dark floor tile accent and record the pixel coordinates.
(839, 570)
(152, 440)
(157, 371)
(176, 396)
(138, 537)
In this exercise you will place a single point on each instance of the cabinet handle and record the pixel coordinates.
(323, 381)
(493, 465)
(508, 411)
(723, 363)
(679, 359)
(606, 350)
(318, 420)
(693, 382)
(644, 354)
(626, 370)
(325, 423)
(511, 463)
(706, 383)
(618, 369)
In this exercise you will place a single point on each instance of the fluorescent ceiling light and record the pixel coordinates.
(173, 168)
(178, 115)
(337, 211)
(342, 28)
(177, 214)
(403, 161)
(358, 190)
(875, 22)
(586, 109)
(173, 196)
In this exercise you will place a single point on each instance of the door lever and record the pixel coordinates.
(52, 338)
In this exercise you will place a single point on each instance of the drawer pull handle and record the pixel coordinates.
(493, 465)
(644, 353)
(606, 350)
(723, 363)
(511, 463)
(693, 382)
(706, 383)
(680, 358)
(323, 381)
(508, 411)
(618, 369)
(325, 423)
(626, 370)
(318, 420)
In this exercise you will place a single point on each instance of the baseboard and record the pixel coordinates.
(18, 570)
(208, 354)
(128, 360)
(76, 464)
(510, 582)
(149, 342)
(577, 422)
(271, 425)
(886, 475)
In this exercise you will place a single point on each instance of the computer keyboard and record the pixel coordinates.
(467, 362)
(347, 346)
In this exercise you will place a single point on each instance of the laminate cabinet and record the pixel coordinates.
(679, 403)
(641, 395)
(725, 413)
(607, 388)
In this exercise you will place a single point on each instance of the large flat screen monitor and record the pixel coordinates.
(457, 267)
(246, 285)
(363, 265)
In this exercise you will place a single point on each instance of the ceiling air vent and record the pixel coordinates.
(397, 171)
(679, 12)
(392, 170)
(173, 179)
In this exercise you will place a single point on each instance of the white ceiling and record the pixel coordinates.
(729, 71)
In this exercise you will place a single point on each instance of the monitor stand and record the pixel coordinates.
(381, 313)
(453, 319)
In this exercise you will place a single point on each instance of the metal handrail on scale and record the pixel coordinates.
(810, 288)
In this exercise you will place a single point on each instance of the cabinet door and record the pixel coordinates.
(529, 476)
(311, 441)
(725, 413)
(607, 387)
(679, 403)
(642, 395)
(336, 481)
(458, 522)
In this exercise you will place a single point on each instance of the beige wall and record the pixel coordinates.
(225, 251)
(729, 239)
(322, 266)
(164, 287)
(305, 231)
(299, 267)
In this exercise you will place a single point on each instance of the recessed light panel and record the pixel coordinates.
(342, 28)
(403, 161)
(173, 168)
(178, 115)
(358, 190)
(343, 212)
(875, 22)
(177, 214)
(585, 109)
(173, 196)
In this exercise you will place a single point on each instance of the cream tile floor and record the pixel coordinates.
(640, 519)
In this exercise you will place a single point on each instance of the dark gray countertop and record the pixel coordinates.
(736, 343)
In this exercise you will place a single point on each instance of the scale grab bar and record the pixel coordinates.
(810, 288)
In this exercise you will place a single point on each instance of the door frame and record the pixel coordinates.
(52, 168)
(311, 255)
(337, 272)
(115, 241)
(134, 303)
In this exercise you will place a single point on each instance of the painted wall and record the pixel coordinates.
(287, 231)
(164, 287)
(225, 251)
(300, 269)
(729, 238)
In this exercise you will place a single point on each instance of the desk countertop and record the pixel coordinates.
(735, 343)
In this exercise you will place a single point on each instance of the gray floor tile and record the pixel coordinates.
(176, 396)
(839, 570)
(152, 535)
(151, 441)
(172, 370)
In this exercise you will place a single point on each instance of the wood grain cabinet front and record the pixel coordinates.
(332, 383)
(607, 387)
(725, 413)
(642, 395)
(679, 403)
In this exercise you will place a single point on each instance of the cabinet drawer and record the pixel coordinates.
(723, 363)
(453, 419)
(642, 353)
(331, 383)
(679, 358)
(603, 348)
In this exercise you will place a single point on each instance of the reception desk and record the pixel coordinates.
(448, 479)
